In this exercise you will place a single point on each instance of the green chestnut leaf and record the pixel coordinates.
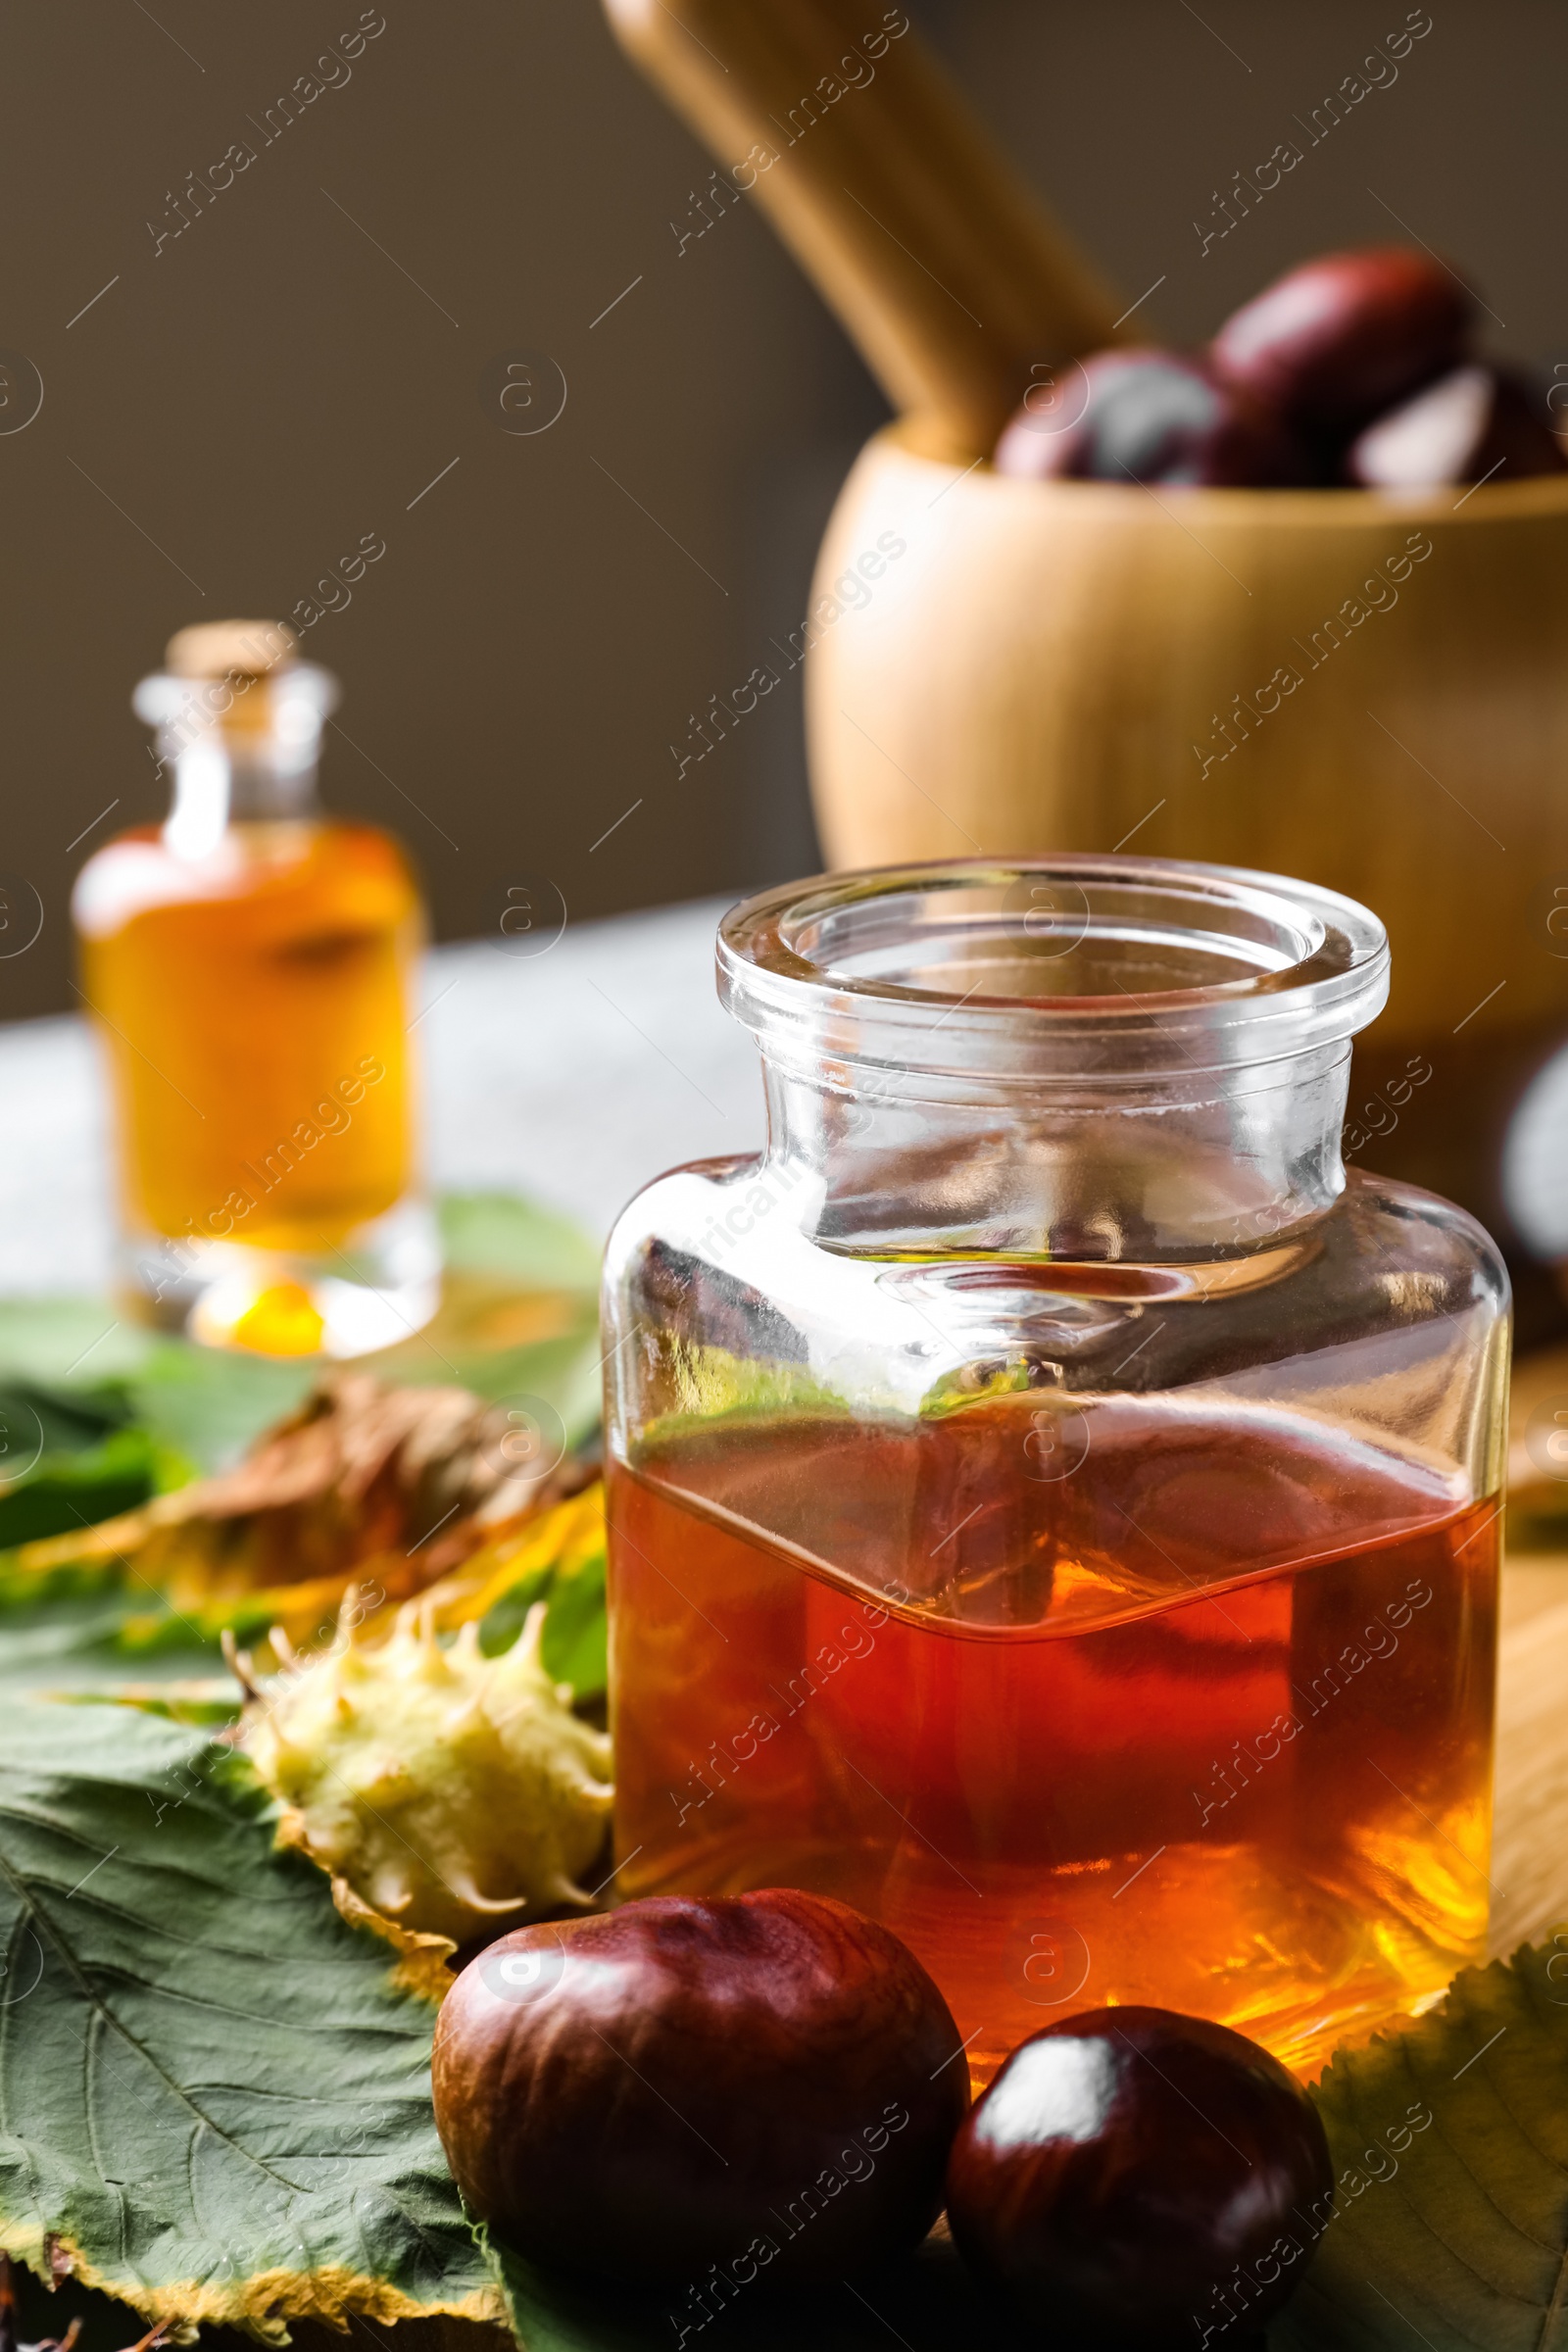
(214, 2091)
(1449, 2143)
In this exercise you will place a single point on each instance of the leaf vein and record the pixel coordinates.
(100, 2009)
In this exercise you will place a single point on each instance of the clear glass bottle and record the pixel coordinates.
(1053, 1507)
(251, 965)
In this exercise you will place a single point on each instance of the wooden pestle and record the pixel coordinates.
(937, 259)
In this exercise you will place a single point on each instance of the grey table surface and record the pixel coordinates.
(573, 1075)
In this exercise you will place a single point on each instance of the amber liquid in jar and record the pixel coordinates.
(1191, 1706)
(253, 1005)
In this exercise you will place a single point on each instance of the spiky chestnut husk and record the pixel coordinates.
(450, 1790)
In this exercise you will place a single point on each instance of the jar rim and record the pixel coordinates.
(1058, 965)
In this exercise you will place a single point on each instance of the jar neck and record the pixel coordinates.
(1231, 1161)
(1106, 1057)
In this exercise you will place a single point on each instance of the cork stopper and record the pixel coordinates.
(224, 649)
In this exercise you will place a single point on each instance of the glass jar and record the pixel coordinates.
(1053, 1507)
(251, 965)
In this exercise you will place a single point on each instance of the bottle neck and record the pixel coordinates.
(213, 791)
(1230, 1163)
(240, 750)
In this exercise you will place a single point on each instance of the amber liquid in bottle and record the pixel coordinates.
(251, 965)
(254, 1011)
(1205, 1722)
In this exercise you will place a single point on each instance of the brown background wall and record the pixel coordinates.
(315, 347)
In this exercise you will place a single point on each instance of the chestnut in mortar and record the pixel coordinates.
(1146, 416)
(1134, 2178)
(1471, 425)
(1331, 344)
(765, 2082)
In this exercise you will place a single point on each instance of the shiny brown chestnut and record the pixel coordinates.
(1146, 416)
(769, 2083)
(1332, 343)
(1136, 2178)
(1474, 424)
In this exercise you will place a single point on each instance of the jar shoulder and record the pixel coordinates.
(1387, 1251)
(700, 1205)
(1382, 1228)
(1387, 1320)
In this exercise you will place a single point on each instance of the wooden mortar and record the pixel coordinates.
(1069, 664)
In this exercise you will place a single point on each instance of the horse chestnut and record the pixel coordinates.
(767, 2083)
(1146, 416)
(1472, 424)
(1135, 2177)
(1332, 343)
